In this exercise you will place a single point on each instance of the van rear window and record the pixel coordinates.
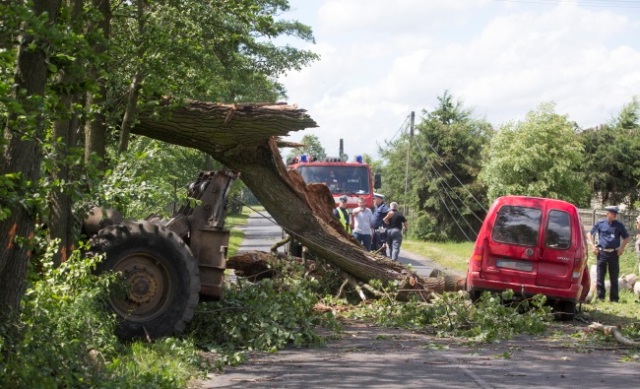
(517, 225)
(558, 235)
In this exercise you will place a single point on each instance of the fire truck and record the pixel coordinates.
(353, 179)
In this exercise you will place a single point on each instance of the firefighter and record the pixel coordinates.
(342, 213)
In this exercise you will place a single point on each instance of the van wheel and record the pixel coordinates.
(564, 310)
(475, 295)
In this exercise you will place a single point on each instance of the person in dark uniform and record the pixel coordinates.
(396, 226)
(380, 210)
(608, 251)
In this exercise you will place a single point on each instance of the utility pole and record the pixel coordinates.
(406, 175)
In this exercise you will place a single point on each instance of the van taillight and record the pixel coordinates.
(577, 271)
(476, 259)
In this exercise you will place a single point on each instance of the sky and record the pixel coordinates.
(382, 59)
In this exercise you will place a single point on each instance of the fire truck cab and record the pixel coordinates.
(353, 179)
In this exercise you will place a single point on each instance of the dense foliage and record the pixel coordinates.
(436, 171)
(540, 156)
(64, 338)
(73, 77)
(612, 157)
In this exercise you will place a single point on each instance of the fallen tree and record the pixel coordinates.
(245, 139)
(615, 331)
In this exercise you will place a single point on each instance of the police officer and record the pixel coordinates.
(380, 210)
(342, 214)
(608, 250)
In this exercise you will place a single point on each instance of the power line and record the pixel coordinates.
(402, 127)
(441, 185)
(454, 175)
(584, 3)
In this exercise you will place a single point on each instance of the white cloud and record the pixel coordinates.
(383, 59)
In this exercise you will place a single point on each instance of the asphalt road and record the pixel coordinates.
(261, 232)
(365, 356)
(370, 357)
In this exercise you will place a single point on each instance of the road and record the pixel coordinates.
(364, 356)
(261, 232)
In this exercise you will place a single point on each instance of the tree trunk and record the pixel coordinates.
(66, 129)
(95, 131)
(243, 138)
(23, 154)
(61, 224)
(130, 112)
(134, 89)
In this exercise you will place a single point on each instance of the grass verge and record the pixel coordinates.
(450, 255)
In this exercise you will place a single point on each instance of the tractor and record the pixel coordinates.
(166, 266)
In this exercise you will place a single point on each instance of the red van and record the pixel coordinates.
(532, 245)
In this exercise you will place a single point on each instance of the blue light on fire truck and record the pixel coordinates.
(304, 158)
(359, 158)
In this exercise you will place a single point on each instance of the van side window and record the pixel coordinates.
(517, 225)
(558, 234)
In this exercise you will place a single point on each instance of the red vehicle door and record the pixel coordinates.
(557, 252)
(513, 253)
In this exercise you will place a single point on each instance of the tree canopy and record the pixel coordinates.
(75, 76)
(441, 165)
(540, 156)
(612, 157)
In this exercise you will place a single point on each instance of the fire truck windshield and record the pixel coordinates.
(339, 179)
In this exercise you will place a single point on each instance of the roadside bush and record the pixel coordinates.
(424, 228)
(60, 324)
(64, 338)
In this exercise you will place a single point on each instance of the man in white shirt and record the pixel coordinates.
(362, 217)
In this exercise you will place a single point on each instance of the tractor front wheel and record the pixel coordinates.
(161, 281)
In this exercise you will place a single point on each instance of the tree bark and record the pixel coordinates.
(243, 138)
(66, 132)
(95, 131)
(23, 154)
(134, 89)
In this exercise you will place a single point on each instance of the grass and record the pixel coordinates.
(628, 261)
(451, 255)
(236, 235)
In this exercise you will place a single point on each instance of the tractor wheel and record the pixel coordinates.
(161, 278)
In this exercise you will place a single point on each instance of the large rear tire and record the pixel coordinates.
(161, 278)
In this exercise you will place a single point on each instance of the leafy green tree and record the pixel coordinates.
(207, 50)
(540, 156)
(612, 156)
(84, 66)
(24, 131)
(442, 190)
(312, 146)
